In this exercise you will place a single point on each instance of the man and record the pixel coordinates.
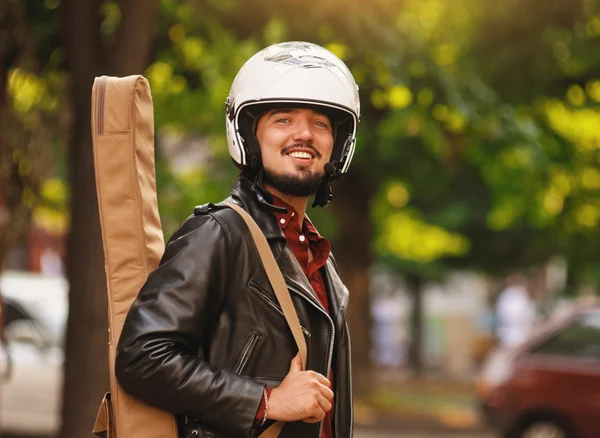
(515, 312)
(206, 338)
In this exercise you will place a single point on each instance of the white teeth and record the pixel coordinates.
(300, 155)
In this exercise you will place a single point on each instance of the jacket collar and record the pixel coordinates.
(249, 196)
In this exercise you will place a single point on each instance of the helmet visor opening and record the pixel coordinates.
(335, 116)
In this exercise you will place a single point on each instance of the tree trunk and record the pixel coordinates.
(86, 362)
(353, 252)
(85, 370)
(415, 352)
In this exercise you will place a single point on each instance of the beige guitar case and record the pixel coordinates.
(123, 143)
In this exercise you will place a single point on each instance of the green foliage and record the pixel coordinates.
(478, 128)
(32, 119)
(480, 121)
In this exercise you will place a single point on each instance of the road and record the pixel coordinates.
(372, 433)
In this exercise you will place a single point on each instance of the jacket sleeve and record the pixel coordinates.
(161, 352)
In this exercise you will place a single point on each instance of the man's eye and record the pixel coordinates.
(322, 124)
(282, 120)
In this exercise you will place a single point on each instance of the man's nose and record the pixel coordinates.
(303, 131)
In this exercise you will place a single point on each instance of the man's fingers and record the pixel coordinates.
(319, 411)
(323, 380)
(326, 392)
(296, 364)
(325, 404)
(316, 408)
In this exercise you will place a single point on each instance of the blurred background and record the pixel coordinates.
(466, 229)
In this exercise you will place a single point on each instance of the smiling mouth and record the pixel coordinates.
(300, 155)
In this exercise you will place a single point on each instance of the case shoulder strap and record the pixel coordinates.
(275, 278)
(281, 291)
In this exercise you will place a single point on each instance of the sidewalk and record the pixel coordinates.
(380, 433)
(437, 406)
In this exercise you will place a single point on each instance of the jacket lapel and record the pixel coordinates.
(337, 292)
(294, 275)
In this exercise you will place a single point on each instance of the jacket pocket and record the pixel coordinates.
(246, 353)
(271, 305)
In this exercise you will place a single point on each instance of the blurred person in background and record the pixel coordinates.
(515, 312)
(206, 338)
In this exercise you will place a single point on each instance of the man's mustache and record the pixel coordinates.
(286, 149)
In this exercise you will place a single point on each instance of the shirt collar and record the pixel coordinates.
(292, 215)
(284, 218)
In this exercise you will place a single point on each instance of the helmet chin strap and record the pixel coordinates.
(324, 194)
(262, 193)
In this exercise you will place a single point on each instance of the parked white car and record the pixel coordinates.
(32, 353)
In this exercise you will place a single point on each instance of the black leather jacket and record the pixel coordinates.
(206, 334)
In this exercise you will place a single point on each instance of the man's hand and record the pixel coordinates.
(303, 395)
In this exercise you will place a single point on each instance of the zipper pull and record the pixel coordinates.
(306, 332)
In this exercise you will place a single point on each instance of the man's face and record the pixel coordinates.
(295, 144)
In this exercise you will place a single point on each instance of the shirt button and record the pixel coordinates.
(302, 238)
(282, 221)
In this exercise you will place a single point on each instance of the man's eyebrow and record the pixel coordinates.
(280, 111)
(290, 110)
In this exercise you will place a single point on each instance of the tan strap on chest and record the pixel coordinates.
(281, 291)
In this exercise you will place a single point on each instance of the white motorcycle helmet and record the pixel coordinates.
(297, 74)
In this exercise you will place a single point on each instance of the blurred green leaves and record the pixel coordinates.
(479, 141)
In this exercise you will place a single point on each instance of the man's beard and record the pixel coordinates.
(301, 186)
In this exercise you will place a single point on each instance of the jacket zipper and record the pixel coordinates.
(350, 371)
(330, 353)
(100, 107)
(246, 353)
(274, 307)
